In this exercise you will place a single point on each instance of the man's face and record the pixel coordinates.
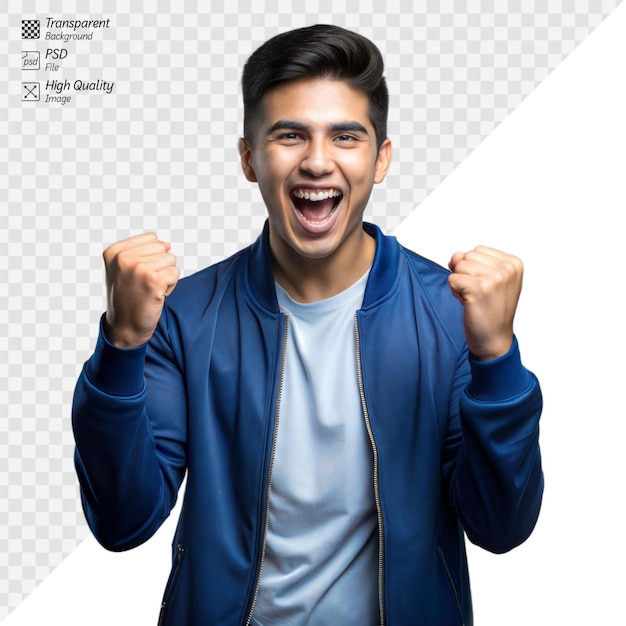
(313, 153)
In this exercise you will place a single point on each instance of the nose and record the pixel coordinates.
(317, 159)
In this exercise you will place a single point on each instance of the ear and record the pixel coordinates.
(245, 154)
(383, 161)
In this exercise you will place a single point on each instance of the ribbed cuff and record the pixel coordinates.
(116, 371)
(500, 379)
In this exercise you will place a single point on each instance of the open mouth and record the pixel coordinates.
(316, 206)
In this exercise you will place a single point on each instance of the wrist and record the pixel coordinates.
(121, 339)
(491, 350)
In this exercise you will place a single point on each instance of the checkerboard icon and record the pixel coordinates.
(30, 29)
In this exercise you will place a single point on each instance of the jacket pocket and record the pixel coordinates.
(453, 588)
(171, 582)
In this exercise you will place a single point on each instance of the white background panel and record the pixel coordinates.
(549, 186)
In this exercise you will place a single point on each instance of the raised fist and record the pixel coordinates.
(140, 273)
(487, 283)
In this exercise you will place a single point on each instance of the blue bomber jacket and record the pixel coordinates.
(455, 441)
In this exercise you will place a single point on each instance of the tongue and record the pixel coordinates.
(316, 211)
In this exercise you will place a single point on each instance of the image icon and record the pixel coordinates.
(30, 92)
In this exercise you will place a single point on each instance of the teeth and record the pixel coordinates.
(316, 197)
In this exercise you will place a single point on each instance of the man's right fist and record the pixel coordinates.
(140, 273)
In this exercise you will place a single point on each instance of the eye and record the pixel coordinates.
(346, 139)
(289, 138)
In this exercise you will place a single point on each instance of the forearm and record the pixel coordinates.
(497, 483)
(127, 487)
(116, 467)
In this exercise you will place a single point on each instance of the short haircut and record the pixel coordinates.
(319, 51)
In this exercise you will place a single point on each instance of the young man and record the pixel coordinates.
(344, 409)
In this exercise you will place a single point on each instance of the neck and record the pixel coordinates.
(313, 279)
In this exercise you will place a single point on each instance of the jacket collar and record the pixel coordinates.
(382, 278)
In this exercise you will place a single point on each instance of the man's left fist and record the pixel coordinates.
(487, 283)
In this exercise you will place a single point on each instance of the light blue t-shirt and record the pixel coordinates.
(321, 560)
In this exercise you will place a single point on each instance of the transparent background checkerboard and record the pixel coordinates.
(160, 154)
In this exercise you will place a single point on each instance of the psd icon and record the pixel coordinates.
(31, 60)
(30, 29)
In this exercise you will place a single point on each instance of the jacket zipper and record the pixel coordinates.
(379, 510)
(269, 477)
(180, 551)
(455, 593)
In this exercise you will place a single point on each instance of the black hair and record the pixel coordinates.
(320, 51)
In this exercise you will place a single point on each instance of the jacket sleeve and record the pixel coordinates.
(496, 482)
(130, 433)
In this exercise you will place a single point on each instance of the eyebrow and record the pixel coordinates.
(334, 128)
